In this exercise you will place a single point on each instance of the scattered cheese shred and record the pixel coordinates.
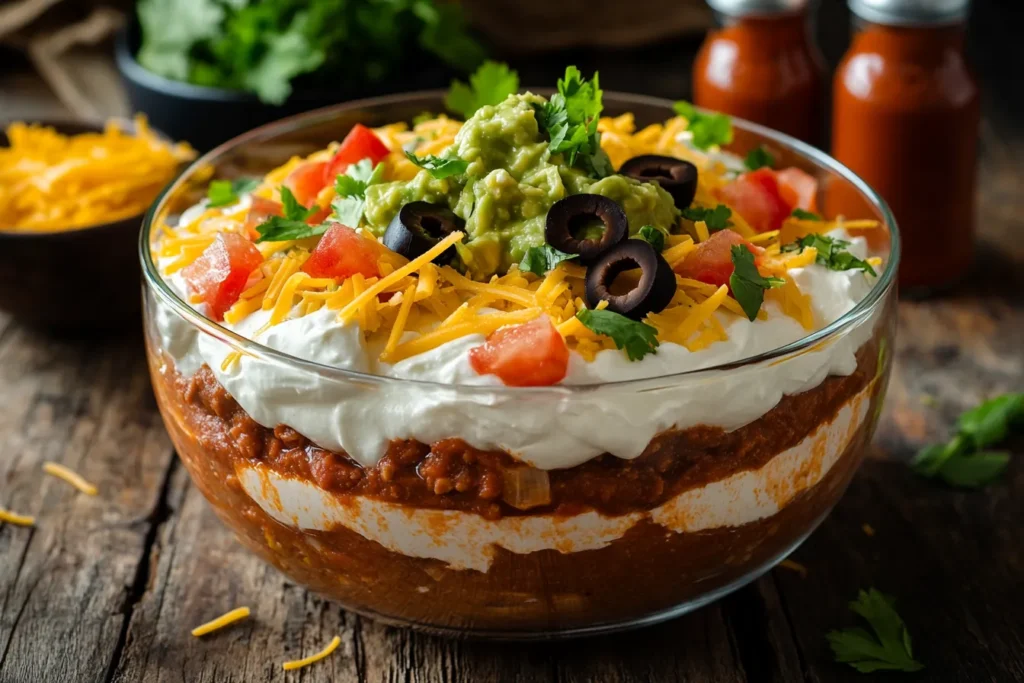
(15, 518)
(312, 659)
(868, 529)
(794, 566)
(70, 477)
(220, 622)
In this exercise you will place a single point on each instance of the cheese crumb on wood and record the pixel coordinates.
(70, 477)
(220, 622)
(312, 659)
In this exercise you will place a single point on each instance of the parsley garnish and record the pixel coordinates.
(707, 129)
(963, 461)
(759, 157)
(570, 119)
(489, 85)
(226, 192)
(653, 236)
(351, 189)
(805, 215)
(637, 338)
(887, 649)
(439, 167)
(291, 226)
(716, 219)
(539, 260)
(748, 285)
(831, 252)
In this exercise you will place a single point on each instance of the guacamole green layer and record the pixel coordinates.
(511, 182)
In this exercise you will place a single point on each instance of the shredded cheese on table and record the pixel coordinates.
(220, 622)
(16, 519)
(794, 566)
(70, 477)
(312, 659)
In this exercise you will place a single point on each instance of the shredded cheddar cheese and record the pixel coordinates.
(868, 529)
(70, 477)
(16, 519)
(313, 659)
(794, 566)
(220, 622)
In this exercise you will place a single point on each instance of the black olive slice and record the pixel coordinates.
(652, 293)
(418, 226)
(570, 219)
(677, 177)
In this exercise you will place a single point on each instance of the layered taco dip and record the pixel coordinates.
(479, 373)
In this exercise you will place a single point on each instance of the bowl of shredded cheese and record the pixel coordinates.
(72, 196)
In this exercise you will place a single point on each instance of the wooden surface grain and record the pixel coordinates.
(106, 588)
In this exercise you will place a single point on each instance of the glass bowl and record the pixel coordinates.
(421, 539)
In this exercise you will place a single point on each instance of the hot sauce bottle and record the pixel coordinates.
(762, 65)
(905, 118)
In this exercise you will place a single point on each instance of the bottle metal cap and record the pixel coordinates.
(910, 12)
(745, 8)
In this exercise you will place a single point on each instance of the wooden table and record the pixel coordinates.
(106, 588)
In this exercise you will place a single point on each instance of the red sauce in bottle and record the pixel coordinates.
(764, 68)
(905, 118)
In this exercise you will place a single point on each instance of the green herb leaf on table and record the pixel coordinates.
(637, 338)
(445, 33)
(707, 130)
(291, 226)
(802, 215)
(653, 236)
(227, 192)
(439, 167)
(540, 260)
(886, 648)
(832, 252)
(747, 284)
(351, 189)
(759, 157)
(716, 219)
(570, 119)
(489, 85)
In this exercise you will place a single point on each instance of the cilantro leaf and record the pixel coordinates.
(759, 157)
(490, 84)
(653, 236)
(351, 189)
(539, 260)
(440, 168)
(747, 284)
(226, 192)
(570, 120)
(445, 34)
(805, 215)
(716, 219)
(291, 226)
(707, 129)
(637, 338)
(887, 648)
(991, 422)
(831, 252)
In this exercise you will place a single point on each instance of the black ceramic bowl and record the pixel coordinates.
(82, 279)
(206, 116)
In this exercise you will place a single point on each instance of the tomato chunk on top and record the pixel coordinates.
(529, 355)
(306, 181)
(359, 144)
(341, 253)
(219, 275)
(711, 261)
(798, 189)
(756, 196)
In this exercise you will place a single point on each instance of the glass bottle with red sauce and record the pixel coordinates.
(905, 118)
(762, 65)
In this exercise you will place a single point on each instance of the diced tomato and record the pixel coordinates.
(529, 355)
(711, 261)
(798, 189)
(757, 198)
(306, 181)
(219, 275)
(342, 252)
(359, 144)
(319, 216)
(259, 211)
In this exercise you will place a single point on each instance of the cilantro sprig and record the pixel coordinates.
(886, 648)
(439, 167)
(707, 130)
(227, 192)
(964, 461)
(291, 226)
(653, 236)
(803, 215)
(832, 252)
(490, 84)
(716, 219)
(637, 338)
(540, 260)
(351, 190)
(759, 157)
(747, 284)
(570, 120)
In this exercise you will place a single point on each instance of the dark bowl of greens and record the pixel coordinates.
(226, 67)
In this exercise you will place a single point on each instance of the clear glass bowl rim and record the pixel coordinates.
(866, 307)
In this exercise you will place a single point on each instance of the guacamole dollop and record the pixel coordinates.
(511, 182)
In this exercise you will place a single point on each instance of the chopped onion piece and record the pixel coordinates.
(526, 487)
